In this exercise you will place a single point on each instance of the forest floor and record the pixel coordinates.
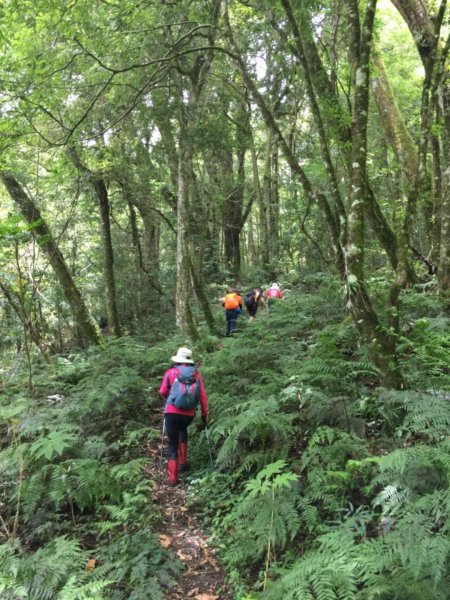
(202, 577)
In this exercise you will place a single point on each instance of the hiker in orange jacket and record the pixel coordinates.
(182, 377)
(232, 303)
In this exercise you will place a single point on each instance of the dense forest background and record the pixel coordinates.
(154, 154)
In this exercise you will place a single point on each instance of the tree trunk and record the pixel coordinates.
(334, 115)
(425, 29)
(101, 192)
(184, 317)
(108, 256)
(232, 210)
(189, 103)
(264, 218)
(415, 14)
(199, 290)
(274, 209)
(27, 321)
(393, 123)
(443, 271)
(324, 140)
(381, 346)
(263, 258)
(84, 322)
(136, 299)
(335, 118)
(150, 254)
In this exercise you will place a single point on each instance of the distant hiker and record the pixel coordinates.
(273, 292)
(252, 299)
(182, 387)
(232, 303)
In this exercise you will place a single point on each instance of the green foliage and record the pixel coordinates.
(139, 566)
(55, 570)
(302, 399)
(326, 486)
(74, 471)
(265, 516)
(397, 564)
(429, 344)
(52, 444)
(254, 431)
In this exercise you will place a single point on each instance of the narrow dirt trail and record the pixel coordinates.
(202, 577)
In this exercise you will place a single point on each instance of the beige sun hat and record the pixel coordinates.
(183, 355)
(275, 286)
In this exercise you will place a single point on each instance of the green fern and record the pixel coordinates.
(256, 422)
(53, 444)
(46, 573)
(265, 517)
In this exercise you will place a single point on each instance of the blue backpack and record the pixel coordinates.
(185, 390)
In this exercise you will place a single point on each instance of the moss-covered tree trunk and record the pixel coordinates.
(331, 119)
(183, 298)
(83, 320)
(274, 207)
(392, 120)
(381, 345)
(101, 192)
(233, 208)
(443, 271)
(425, 28)
(264, 206)
(190, 97)
(263, 246)
(199, 289)
(415, 13)
(108, 255)
(149, 253)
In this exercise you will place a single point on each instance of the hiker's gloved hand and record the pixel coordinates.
(201, 426)
(205, 420)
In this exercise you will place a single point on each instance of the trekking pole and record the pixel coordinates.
(161, 453)
(209, 447)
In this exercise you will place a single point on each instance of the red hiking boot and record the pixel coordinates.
(172, 471)
(182, 456)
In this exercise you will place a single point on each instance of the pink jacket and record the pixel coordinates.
(168, 379)
(273, 293)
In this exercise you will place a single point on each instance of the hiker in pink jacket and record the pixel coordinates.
(182, 387)
(273, 292)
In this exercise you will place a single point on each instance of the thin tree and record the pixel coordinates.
(86, 325)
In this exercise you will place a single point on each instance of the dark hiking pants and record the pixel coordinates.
(176, 428)
(252, 308)
(231, 316)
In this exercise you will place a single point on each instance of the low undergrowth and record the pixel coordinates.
(328, 486)
(324, 485)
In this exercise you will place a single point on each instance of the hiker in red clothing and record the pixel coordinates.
(273, 292)
(182, 387)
